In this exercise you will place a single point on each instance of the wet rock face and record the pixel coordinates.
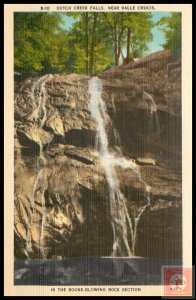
(144, 103)
(146, 127)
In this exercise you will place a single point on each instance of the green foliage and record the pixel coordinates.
(171, 26)
(40, 44)
(140, 25)
(93, 43)
(89, 44)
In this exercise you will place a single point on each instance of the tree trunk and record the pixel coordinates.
(87, 43)
(93, 42)
(132, 49)
(128, 44)
(119, 48)
(116, 47)
(118, 52)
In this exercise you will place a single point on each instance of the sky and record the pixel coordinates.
(158, 35)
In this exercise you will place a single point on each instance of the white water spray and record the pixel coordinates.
(122, 224)
(153, 111)
(39, 116)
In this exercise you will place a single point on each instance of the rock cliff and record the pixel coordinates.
(54, 129)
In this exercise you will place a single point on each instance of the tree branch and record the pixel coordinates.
(121, 32)
(110, 24)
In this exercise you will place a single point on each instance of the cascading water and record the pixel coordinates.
(39, 116)
(153, 112)
(122, 224)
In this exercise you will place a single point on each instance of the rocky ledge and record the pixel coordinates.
(143, 100)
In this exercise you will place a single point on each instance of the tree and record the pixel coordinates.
(130, 29)
(95, 41)
(171, 26)
(39, 42)
(139, 33)
(115, 22)
(89, 43)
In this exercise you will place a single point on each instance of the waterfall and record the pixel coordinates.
(59, 202)
(39, 116)
(124, 227)
(153, 112)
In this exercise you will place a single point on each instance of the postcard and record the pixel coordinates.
(98, 150)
